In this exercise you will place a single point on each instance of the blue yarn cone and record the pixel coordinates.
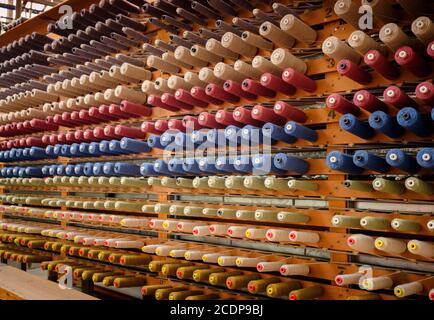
(399, 159)
(413, 121)
(127, 169)
(366, 160)
(129, 145)
(276, 133)
(350, 123)
(386, 124)
(425, 158)
(155, 142)
(301, 132)
(147, 169)
(286, 162)
(339, 161)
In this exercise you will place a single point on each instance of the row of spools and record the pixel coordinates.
(280, 163)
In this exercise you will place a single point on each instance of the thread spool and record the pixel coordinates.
(134, 260)
(163, 251)
(284, 59)
(300, 236)
(201, 53)
(256, 41)
(176, 82)
(216, 182)
(187, 272)
(408, 58)
(264, 65)
(301, 132)
(217, 48)
(150, 290)
(273, 33)
(164, 293)
(255, 88)
(408, 289)
(367, 160)
(298, 29)
(363, 43)
(277, 235)
(240, 282)
(169, 57)
(245, 262)
(183, 54)
(226, 213)
(425, 158)
(342, 162)
(388, 186)
(376, 60)
(342, 221)
(347, 279)
(348, 11)
(308, 293)
(404, 225)
(430, 225)
(234, 43)
(390, 245)
(176, 209)
(236, 231)
(280, 184)
(350, 123)
(302, 185)
(177, 253)
(399, 159)
(218, 229)
(294, 270)
(351, 70)
(280, 289)
(226, 72)
(299, 80)
(202, 275)
(160, 64)
(235, 182)
(385, 124)
(227, 261)
(269, 266)
(255, 183)
(339, 50)
(193, 211)
(366, 100)
(265, 215)
(275, 83)
(341, 105)
(419, 186)
(292, 217)
(219, 278)
(398, 98)
(361, 243)
(377, 283)
(423, 29)
(247, 70)
(245, 214)
(214, 90)
(200, 182)
(425, 93)
(393, 36)
(421, 248)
